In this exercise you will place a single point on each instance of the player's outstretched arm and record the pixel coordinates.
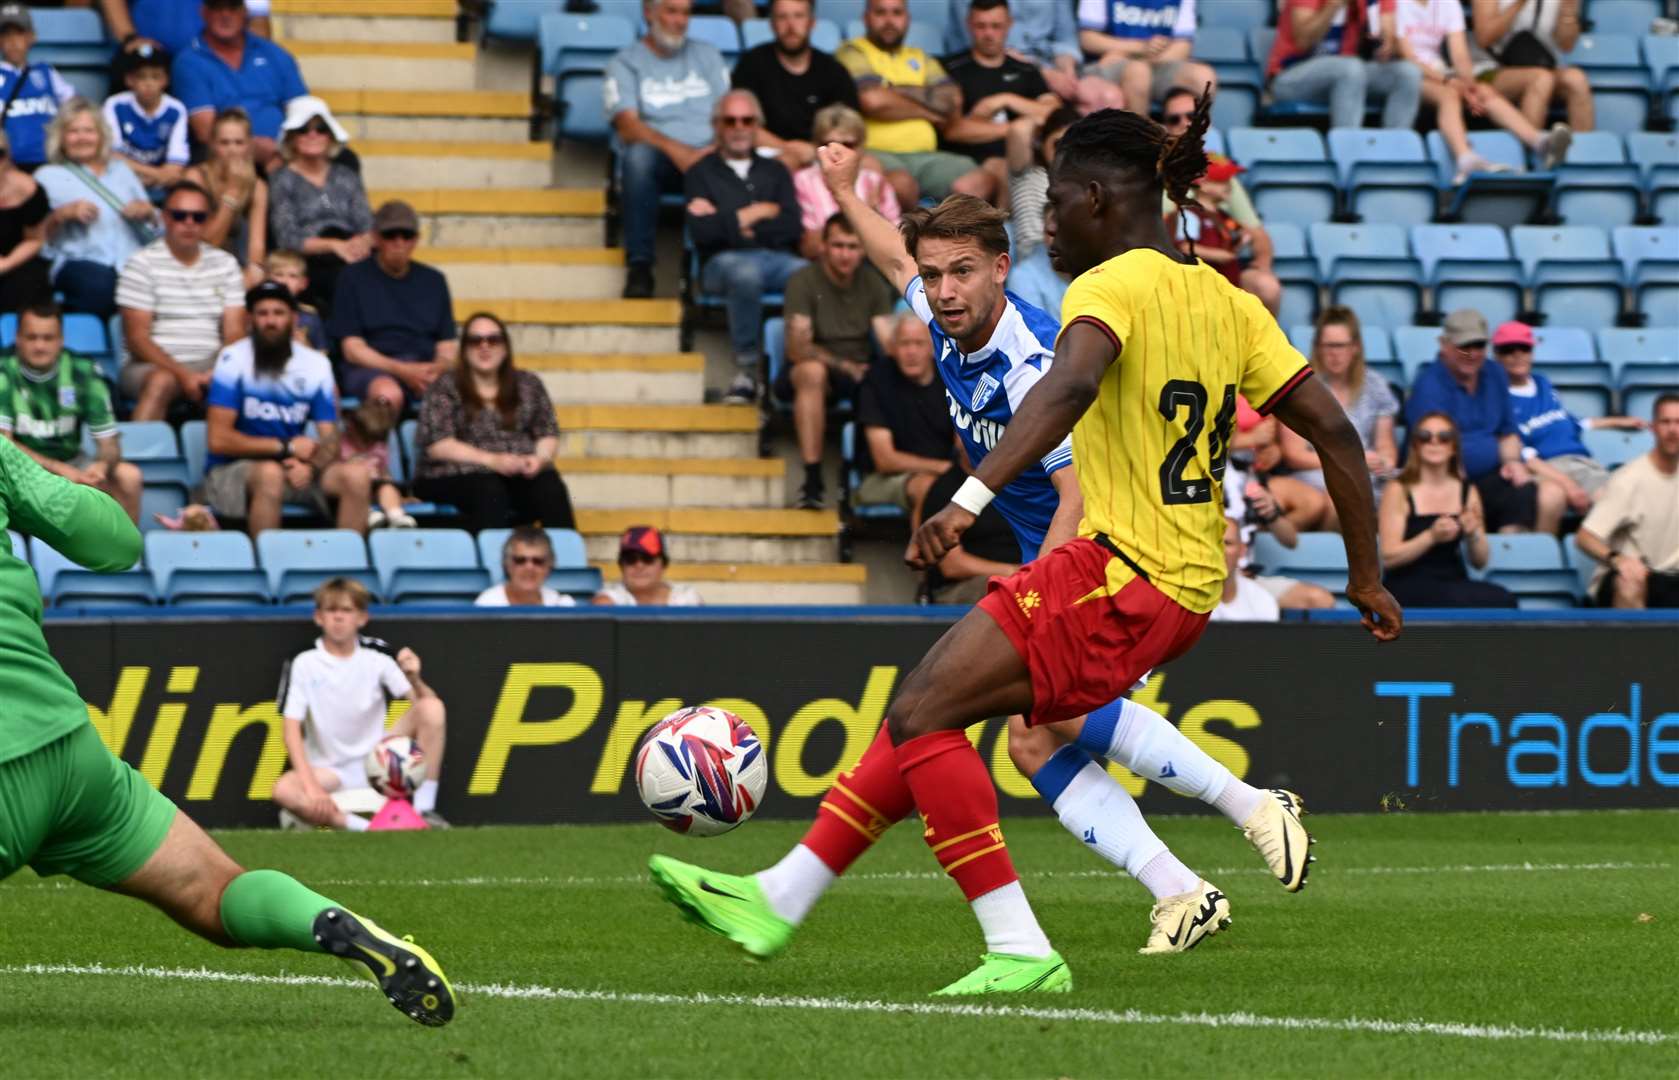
(1312, 411)
(1046, 414)
(83, 524)
(881, 240)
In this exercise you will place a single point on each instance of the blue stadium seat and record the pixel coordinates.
(1563, 345)
(205, 568)
(1586, 389)
(852, 463)
(718, 31)
(1613, 448)
(65, 584)
(1661, 56)
(1318, 558)
(1369, 268)
(1640, 400)
(1597, 185)
(406, 458)
(1508, 198)
(195, 448)
(1584, 566)
(1657, 155)
(824, 33)
(1620, 80)
(1244, 15)
(1651, 258)
(1386, 174)
(1290, 176)
(575, 50)
(572, 573)
(1224, 48)
(843, 12)
(775, 358)
(1415, 346)
(297, 560)
(1530, 565)
(1574, 280)
(925, 36)
(1652, 345)
(1297, 271)
(516, 20)
(69, 38)
(427, 565)
(1622, 16)
(19, 545)
(1470, 266)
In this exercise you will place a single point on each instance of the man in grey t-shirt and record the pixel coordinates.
(659, 94)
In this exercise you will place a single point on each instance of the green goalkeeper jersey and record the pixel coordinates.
(38, 702)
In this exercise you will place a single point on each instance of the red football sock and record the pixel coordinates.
(952, 787)
(863, 803)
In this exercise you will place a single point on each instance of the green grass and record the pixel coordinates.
(1476, 941)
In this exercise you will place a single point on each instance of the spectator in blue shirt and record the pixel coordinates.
(1143, 46)
(225, 66)
(148, 126)
(171, 24)
(1476, 395)
(35, 103)
(1551, 443)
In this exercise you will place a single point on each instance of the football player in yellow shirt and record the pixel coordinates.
(1154, 348)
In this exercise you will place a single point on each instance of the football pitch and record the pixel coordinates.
(1501, 945)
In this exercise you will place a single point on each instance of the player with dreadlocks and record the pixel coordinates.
(1153, 350)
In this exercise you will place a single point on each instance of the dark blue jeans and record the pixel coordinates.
(88, 286)
(646, 173)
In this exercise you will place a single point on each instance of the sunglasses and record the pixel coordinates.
(399, 234)
(197, 217)
(636, 557)
(314, 127)
(475, 340)
(739, 121)
(1471, 346)
(1505, 350)
(1429, 435)
(528, 560)
(1176, 118)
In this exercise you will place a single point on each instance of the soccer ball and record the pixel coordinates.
(396, 767)
(701, 771)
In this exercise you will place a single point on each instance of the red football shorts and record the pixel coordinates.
(1086, 638)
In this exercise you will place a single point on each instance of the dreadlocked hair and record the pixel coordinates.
(1114, 140)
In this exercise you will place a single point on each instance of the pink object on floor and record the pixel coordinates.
(397, 814)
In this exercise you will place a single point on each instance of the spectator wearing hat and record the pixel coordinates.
(182, 301)
(1476, 396)
(642, 562)
(527, 558)
(34, 103)
(148, 126)
(1633, 528)
(266, 390)
(319, 206)
(24, 274)
(392, 316)
(1241, 251)
(1551, 443)
(226, 65)
(487, 438)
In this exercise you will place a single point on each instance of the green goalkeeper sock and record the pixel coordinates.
(266, 909)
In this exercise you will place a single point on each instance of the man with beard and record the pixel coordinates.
(793, 81)
(265, 391)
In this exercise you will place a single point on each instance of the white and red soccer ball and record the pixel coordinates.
(701, 771)
(396, 767)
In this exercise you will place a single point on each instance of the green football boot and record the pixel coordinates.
(1000, 973)
(406, 973)
(727, 904)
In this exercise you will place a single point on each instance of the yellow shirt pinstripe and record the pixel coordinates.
(908, 66)
(1151, 450)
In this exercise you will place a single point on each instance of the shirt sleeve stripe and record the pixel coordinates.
(1283, 391)
(1098, 324)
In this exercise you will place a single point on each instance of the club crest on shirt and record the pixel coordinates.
(67, 398)
(983, 392)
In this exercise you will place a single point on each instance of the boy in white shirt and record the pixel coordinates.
(333, 698)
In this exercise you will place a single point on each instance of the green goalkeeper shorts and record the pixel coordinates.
(73, 807)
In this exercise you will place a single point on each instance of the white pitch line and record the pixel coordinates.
(1111, 1017)
(585, 882)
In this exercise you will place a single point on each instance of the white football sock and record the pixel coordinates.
(1165, 876)
(1149, 745)
(1106, 818)
(425, 797)
(1008, 923)
(793, 885)
(355, 823)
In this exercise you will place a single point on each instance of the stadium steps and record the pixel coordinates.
(733, 483)
(584, 326)
(579, 273)
(658, 431)
(619, 378)
(485, 115)
(761, 537)
(536, 217)
(747, 583)
(388, 65)
(414, 21)
(483, 165)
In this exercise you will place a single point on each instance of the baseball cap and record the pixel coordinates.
(16, 15)
(301, 110)
(395, 214)
(269, 290)
(1463, 326)
(1221, 168)
(643, 540)
(144, 55)
(1513, 333)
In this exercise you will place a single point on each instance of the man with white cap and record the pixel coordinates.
(227, 65)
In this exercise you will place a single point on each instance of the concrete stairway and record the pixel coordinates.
(445, 126)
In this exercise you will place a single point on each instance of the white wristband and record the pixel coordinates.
(973, 496)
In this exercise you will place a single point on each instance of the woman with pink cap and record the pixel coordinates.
(642, 560)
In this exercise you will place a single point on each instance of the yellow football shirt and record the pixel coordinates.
(907, 66)
(1152, 448)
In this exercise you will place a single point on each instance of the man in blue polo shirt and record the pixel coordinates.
(1476, 395)
(226, 66)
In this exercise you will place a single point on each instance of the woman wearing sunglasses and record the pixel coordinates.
(487, 438)
(842, 124)
(23, 214)
(1430, 519)
(319, 204)
(642, 561)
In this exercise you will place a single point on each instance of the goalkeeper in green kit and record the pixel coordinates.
(70, 806)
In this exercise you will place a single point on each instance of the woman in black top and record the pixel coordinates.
(1431, 516)
(23, 213)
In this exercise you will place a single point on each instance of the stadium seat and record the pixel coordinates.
(1507, 199)
(516, 20)
(1530, 565)
(406, 457)
(574, 50)
(1574, 280)
(1470, 266)
(66, 584)
(1622, 16)
(1244, 15)
(1620, 80)
(1597, 185)
(1657, 155)
(718, 31)
(1290, 176)
(19, 545)
(1297, 271)
(1652, 345)
(1613, 448)
(852, 463)
(1318, 558)
(195, 448)
(1369, 268)
(572, 573)
(1642, 384)
(205, 568)
(1563, 345)
(427, 565)
(1224, 48)
(1584, 566)
(1415, 346)
(69, 38)
(1651, 259)
(824, 34)
(1586, 389)
(297, 560)
(1386, 174)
